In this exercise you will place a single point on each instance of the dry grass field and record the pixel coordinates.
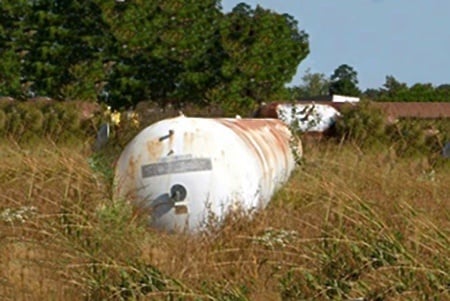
(348, 226)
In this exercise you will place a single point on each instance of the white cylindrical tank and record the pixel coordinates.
(184, 170)
(308, 117)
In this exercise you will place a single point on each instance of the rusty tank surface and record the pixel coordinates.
(183, 170)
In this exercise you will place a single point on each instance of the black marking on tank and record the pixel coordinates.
(178, 166)
(171, 132)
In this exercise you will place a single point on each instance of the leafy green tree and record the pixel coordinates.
(393, 90)
(443, 92)
(9, 73)
(344, 81)
(11, 52)
(66, 40)
(167, 50)
(262, 50)
(372, 94)
(364, 124)
(313, 84)
(421, 92)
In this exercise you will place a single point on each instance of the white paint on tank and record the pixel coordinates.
(308, 117)
(183, 170)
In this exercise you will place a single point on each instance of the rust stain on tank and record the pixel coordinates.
(132, 169)
(268, 139)
(280, 140)
(281, 143)
(130, 177)
(188, 139)
(162, 146)
(155, 148)
(243, 132)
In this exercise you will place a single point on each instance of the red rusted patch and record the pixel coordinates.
(249, 124)
(243, 132)
(268, 139)
(267, 111)
(281, 141)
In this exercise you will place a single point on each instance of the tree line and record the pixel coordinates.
(169, 52)
(344, 81)
(165, 51)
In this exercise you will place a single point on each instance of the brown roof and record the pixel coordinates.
(426, 110)
(415, 109)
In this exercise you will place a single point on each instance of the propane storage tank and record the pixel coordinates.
(183, 170)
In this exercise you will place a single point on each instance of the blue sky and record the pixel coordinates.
(409, 39)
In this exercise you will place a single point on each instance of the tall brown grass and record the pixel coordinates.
(349, 225)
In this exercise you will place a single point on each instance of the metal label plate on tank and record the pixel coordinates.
(177, 166)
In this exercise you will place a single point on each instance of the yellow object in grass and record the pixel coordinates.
(115, 118)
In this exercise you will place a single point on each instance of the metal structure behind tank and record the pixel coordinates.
(307, 117)
(183, 169)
